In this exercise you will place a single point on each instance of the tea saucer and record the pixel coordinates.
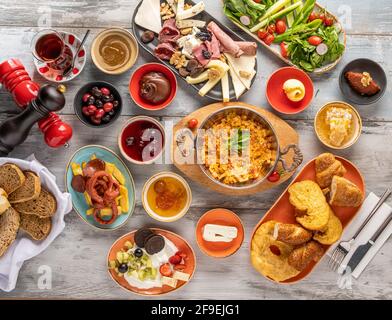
(50, 74)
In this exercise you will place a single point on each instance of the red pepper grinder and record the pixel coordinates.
(15, 130)
(15, 79)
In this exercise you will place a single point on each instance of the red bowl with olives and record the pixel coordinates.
(153, 86)
(98, 104)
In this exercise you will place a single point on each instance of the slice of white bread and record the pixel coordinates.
(30, 190)
(9, 226)
(35, 227)
(4, 204)
(44, 206)
(11, 177)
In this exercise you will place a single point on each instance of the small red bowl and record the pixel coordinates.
(134, 85)
(277, 97)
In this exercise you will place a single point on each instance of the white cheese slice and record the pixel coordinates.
(148, 16)
(218, 233)
(225, 88)
(189, 13)
(239, 87)
(244, 67)
(181, 24)
(171, 282)
(182, 276)
(172, 5)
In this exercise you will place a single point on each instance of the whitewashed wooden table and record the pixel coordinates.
(77, 257)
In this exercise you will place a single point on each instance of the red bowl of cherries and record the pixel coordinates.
(98, 104)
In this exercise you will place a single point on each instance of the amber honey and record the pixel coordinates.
(167, 197)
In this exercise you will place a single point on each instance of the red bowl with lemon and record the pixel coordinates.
(163, 85)
(278, 97)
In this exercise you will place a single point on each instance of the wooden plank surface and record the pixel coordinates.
(77, 257)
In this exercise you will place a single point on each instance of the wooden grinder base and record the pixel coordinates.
(285, 133)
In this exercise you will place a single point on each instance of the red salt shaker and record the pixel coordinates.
(15, 79)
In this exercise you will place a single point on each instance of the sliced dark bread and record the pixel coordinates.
(44, 206)
(11, 177)
(30, 190)
(9, 226)
(36, 228)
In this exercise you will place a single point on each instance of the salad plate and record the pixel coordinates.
(151, 274)
(229, 87)
(115, 167)
(301, 33)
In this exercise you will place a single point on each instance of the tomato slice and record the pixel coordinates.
(176, 259)
(165, 270)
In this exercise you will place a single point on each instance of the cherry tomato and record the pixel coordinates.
(280, 26)
(322, 17)
(315, 40)
(262, 33)
(165, 270)
(269, 39)
(257, 1)
(274, 177)
(192, 123)
(328, 21)
(313, 16)
(99, 113)
(283, 50)
(108, 106)
(271, 28)
(176, 259)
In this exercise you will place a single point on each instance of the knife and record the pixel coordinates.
(361, 251)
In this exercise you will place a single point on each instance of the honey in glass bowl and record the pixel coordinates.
(167, 197)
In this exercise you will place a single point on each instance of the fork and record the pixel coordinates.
(344, 247)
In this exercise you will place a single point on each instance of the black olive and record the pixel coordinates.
(122, 268)
(193, 63)
(196, 71)
(111, 113)
(138, 253)
(96, 92)
(111, 97)
(147, 36)
(106, 118)
(98, 104)
(115, 103)
(91, 100)
(204, 35)
(206, 54)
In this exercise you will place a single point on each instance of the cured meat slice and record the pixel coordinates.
(164, 51)
(213, 47)
(249, 48)
(198, 53)
(169, 32)
(228, 44)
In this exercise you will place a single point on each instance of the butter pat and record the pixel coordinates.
(171, 282)
(182, 276)
(218, 233)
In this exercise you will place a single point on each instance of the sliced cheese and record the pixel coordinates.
(244, 67)
(219, 233)
(148, 16)
(239, 87)
(189, 13)
(171, 282)
(172, 5)
(225, 87)
(181, 24)
(182, 276)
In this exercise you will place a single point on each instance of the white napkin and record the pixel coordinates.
(23, 247)
(367, 232)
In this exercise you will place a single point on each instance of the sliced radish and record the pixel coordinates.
(322, 49)
(245, 20)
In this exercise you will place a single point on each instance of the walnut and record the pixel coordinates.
(186, 31)
(244, 74)
(166, 10)
(168, 16)
(178, 60)
(213, 74)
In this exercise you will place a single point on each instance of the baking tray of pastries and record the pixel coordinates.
(307, 219)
